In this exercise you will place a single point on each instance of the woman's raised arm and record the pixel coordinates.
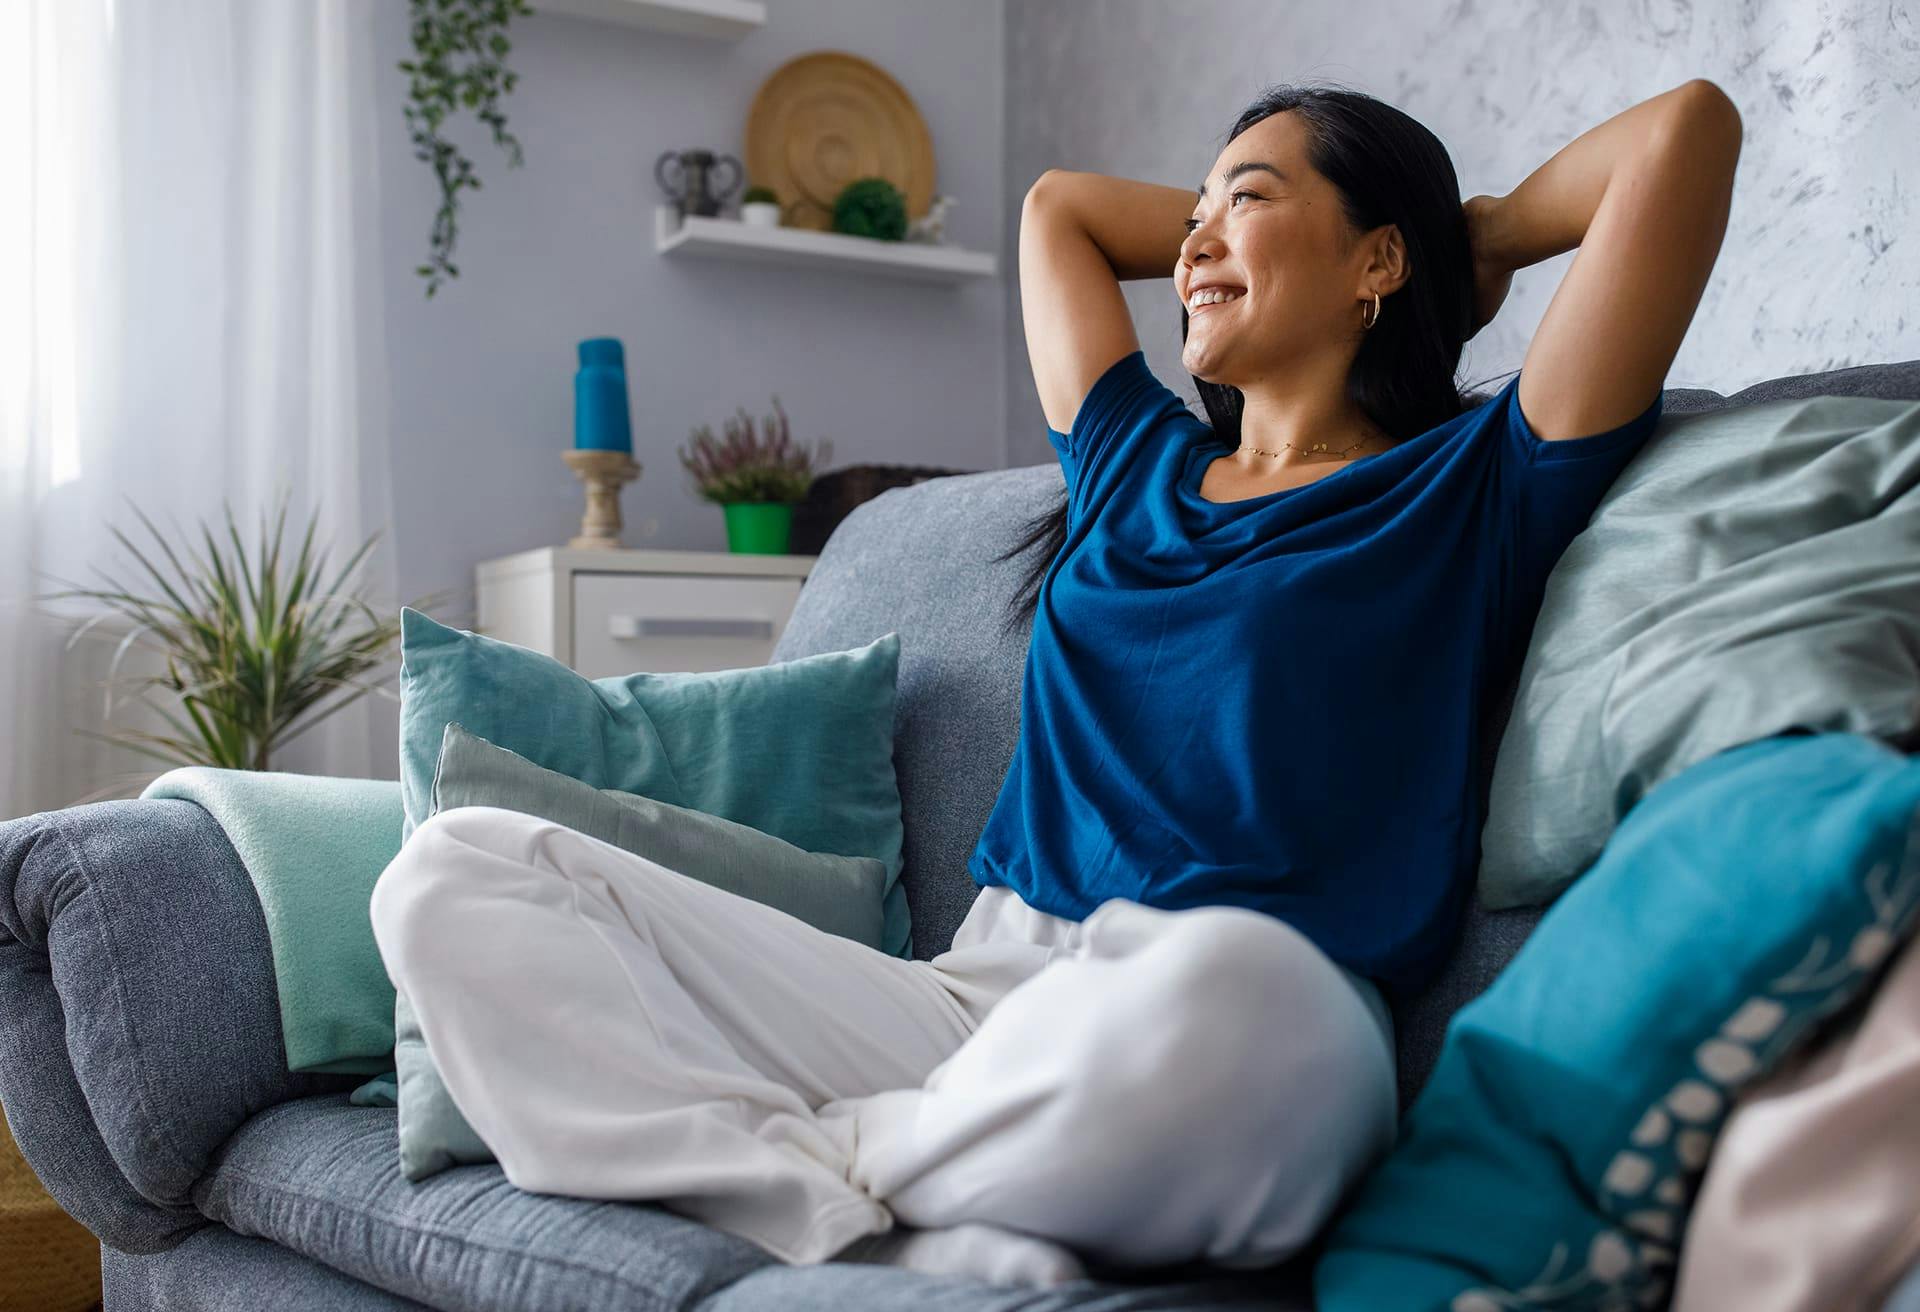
(1645, 198)
(1081, 234)
(1138, 226)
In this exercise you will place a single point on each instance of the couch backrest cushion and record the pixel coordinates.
(917, 560)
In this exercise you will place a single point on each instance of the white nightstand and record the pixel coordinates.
(620, 612)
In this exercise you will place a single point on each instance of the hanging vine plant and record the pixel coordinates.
(460, 48)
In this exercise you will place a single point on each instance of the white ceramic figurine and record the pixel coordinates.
(931, 227)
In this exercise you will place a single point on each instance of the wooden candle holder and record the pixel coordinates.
(604, 472)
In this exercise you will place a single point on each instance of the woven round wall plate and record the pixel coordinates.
(820, 121)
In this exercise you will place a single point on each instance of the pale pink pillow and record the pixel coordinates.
(1811, 1201)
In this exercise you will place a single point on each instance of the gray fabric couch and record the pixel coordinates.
(143, 1072)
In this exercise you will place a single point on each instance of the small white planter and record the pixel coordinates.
(761, 214)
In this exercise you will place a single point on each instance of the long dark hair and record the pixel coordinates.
(1387, 168)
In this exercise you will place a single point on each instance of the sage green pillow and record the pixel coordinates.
(839, 894)
(1754, 570)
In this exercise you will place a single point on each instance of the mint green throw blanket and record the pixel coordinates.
(313, 845)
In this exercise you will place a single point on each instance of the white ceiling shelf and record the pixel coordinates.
(725, 20)
(732, 239)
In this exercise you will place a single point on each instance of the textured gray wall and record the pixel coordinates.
(1820, 267)
(562, 248)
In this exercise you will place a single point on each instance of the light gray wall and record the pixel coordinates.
(1820, 268)
(562, 249)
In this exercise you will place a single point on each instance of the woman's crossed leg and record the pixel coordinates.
(1171, 1085)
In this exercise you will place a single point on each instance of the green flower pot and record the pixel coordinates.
(758, 526)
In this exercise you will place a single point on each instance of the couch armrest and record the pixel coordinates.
(139, 1025)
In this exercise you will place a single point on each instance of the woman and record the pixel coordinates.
(1241, 809)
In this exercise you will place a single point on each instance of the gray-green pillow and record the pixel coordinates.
(842, 895)
(1753, 570)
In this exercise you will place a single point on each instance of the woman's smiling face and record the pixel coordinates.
(1275, 238)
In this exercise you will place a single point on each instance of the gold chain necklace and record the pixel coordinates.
(1316, 446)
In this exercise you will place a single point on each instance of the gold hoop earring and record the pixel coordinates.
(1366, 322)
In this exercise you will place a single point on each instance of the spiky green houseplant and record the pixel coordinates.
(253, 654)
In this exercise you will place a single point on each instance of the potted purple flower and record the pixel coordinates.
(755, 479)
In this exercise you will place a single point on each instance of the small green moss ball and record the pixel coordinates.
(871, 207)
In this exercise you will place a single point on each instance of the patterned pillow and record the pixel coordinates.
(1552, 1158)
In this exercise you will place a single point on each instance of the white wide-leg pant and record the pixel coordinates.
(1144, 1086)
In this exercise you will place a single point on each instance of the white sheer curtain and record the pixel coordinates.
(189, 311)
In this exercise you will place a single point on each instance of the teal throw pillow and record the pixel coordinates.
(800, 749)
(1553, 1156)
(840, 895)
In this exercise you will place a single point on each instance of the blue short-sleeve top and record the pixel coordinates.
(1275, 702)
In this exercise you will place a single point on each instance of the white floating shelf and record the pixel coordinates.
(732, 239)
(727, 20)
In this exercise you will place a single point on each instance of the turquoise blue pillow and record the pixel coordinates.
(1553, 1156)
(800, 749)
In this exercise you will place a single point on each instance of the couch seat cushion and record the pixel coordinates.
(845, 1287)
(216, 1270)
(322, 1177)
